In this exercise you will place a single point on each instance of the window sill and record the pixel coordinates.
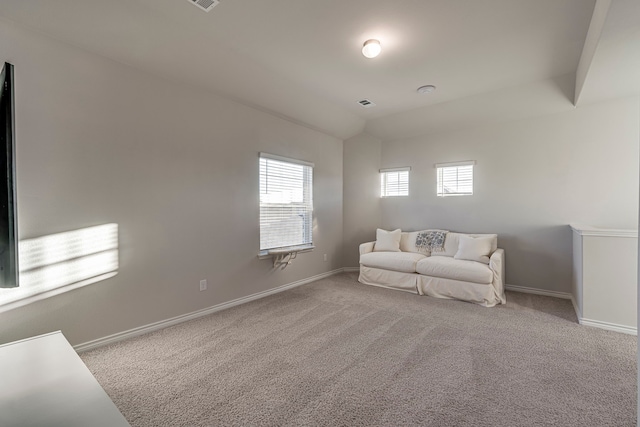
(282, 257)
(270, 253)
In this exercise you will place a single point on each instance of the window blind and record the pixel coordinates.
(394, 182)
(286, 202)
(455, 179)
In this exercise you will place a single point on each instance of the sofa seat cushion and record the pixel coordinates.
(456, 269)
(396, 261)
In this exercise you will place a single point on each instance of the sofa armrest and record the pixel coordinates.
(496, 264)
(365, 248)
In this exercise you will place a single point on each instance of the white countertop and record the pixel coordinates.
(43, 382)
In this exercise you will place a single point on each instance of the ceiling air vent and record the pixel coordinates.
(366, 103)
(205, 5)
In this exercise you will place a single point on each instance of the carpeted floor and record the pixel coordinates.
(338, 353)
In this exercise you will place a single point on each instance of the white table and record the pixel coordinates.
(43, 382)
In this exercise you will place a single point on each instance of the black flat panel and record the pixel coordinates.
(8, 212)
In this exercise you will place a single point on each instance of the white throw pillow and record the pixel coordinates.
(474, 248)
(387, 241)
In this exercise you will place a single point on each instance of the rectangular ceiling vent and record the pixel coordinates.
(205, 5)
(366, 103)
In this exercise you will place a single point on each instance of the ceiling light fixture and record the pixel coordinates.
(426, 89)
(371, 48)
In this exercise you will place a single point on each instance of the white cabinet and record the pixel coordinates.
(43, 382)
(605, 283)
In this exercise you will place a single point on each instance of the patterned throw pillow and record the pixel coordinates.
(431, 240)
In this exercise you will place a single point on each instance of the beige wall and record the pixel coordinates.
(533, 177)
(175, 167)
(362, 199)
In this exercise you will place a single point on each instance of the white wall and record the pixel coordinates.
(175, 167)
(614, 260)
(362, 200)
(533, 177)
(605, 277)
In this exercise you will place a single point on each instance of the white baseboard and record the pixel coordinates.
(603, 325)
(587, 322)
(536, 291)
(111, 339)
(609, 326)
(351, 269)
(575, 308)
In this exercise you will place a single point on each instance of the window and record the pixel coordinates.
(455, 179)
(286, 202)
(394, 182)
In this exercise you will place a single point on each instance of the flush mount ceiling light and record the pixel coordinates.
(371, 48)
(426, 89)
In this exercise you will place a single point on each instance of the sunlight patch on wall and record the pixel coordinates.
(58, 263)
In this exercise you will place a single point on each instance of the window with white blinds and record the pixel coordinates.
(455, 179)
(394, 182)
(286, 202)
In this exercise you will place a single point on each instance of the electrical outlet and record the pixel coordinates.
(203, 285)
(325, 257)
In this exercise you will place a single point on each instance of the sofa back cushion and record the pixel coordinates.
(387, 241)
(408, 242)
(452, 243)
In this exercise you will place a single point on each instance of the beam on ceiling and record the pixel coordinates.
(598, 19)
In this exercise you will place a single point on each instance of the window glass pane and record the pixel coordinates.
(286, 204)
(395, 183)
(455, 180)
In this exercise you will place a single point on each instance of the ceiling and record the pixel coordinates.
(300, 59)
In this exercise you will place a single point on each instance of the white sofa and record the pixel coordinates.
(449, 273)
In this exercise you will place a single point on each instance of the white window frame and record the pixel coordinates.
(397, 175)
(455, 176)
(269, 210)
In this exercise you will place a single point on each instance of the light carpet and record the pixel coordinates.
(339, 353)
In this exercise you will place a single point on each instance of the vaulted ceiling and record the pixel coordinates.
(301, 59)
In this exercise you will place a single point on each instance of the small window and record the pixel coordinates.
(286, 202)
(455, 179)
(394, 182)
